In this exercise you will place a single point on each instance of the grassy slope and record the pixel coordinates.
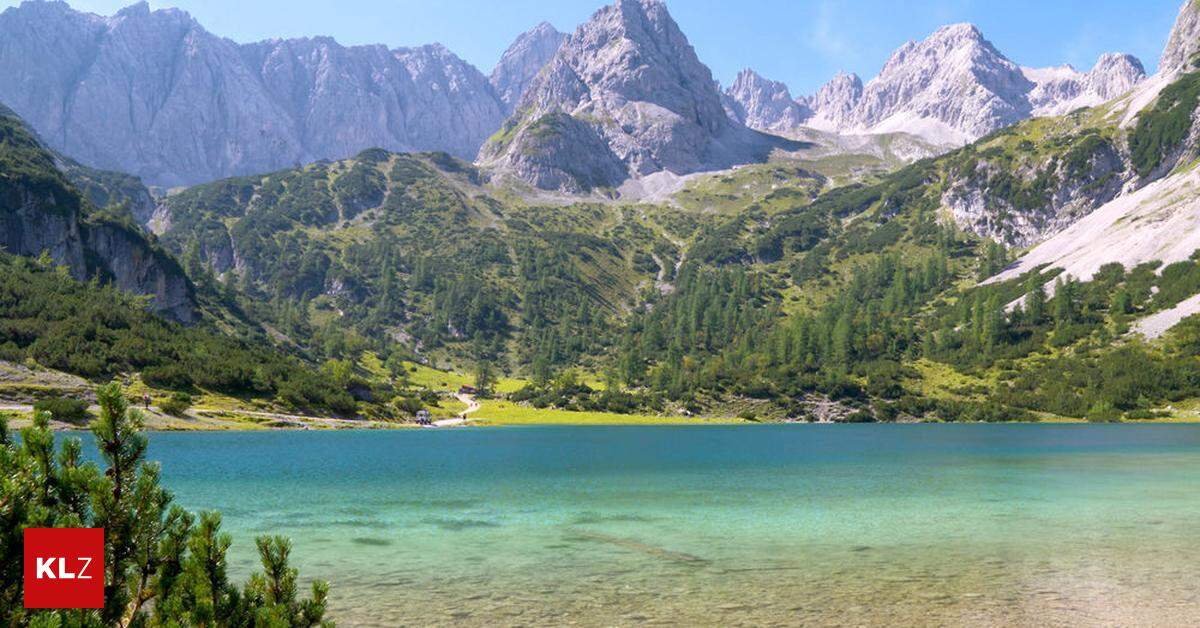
(501, 412)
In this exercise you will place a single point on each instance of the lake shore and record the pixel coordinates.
(492, 414)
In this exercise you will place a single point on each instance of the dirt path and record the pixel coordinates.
(472, 406)
(296, 419)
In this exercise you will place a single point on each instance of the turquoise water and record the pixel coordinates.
(773, 525)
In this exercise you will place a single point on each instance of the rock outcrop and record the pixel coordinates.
(107, 189)
(1184, 43)
(629, 81)
(1091, 190)
(155, 94)
(531, 51)
(41, 212)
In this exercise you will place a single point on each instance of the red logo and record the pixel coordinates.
(64, 568)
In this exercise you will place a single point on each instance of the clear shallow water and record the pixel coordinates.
(771, 525)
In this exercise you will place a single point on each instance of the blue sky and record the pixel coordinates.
(800, 42)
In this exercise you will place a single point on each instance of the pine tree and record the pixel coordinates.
(842, 341)
(1064, 301)
(1035, 301)
(161, 568)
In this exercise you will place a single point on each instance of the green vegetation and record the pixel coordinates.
(177, 404)
(98, 331)
(769, 291)
(64, 409)
(163, 565)
(1162, 128)
(26, 167)
(339, 257)
(568, 392)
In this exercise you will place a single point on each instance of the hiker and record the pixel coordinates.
(146, 400)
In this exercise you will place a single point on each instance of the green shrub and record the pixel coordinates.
(1103, 412)
(64, 409)
(1161, 129)
(177, 404)
(164, 566)
(860, 416)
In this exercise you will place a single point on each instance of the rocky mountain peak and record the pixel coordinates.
(1062, 89)
(954, 85)
(141, 13)
(136, 9)
(763, 104)
(634, 49)
(835, 101)
(1114, 74)
(627, 89)
(1184, 43)
(531, 51)
(958, 33)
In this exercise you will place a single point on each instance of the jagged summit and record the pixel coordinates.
(625, 95)
(151, 92)
(953, 86)
(835, 101)
(1061, 89)
(527, 55)
(763, 104)
(950, 88)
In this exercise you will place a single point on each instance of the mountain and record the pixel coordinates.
(953, 86)
(531, 51)
(949, 89)
(1184, 42)
(834, 102)
(1063, 89)
(83, 290)
(105, 189)
(625, 95)
(154, 94)
(42, 212)
(413, 250)
(1156, 214)
(793, 289)
(764, 104)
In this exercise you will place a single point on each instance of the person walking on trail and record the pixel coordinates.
(146, 400)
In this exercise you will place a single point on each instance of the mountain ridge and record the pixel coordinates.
(155, 94)
(951, 87)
